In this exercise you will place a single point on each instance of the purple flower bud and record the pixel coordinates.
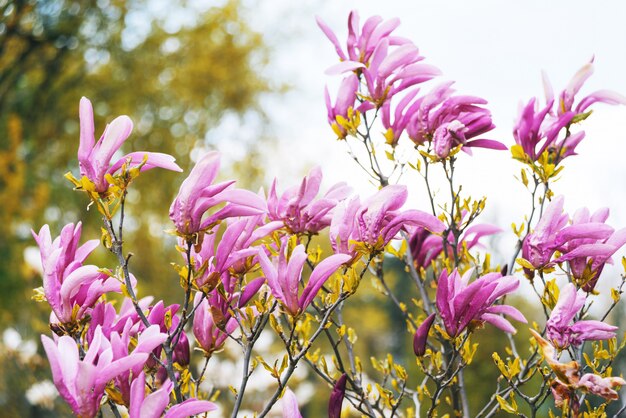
(336, 397)
(421, 336)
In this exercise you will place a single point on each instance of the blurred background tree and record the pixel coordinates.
(175, 69)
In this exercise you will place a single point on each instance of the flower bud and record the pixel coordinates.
(421, 336)
(336, 397)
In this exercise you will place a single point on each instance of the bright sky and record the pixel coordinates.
(493, 49)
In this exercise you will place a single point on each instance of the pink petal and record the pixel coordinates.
(190, 407)
(344, 67)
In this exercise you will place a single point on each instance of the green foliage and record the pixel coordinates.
(175, 85)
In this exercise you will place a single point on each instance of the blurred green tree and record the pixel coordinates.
(174, 69)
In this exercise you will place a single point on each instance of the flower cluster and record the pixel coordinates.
(461, 304)
(547, 130)
(287, 262)
(383, 72)
(585, 245)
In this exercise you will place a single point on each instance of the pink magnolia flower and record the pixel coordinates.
(284, 276)
(561, 331)
(362, 42)
(154, 404)
(94, 158)
(209, 336)
(197, 195)
(568, 95)
(391, 72)
(402, 114)
(218, 259)
(449, 121)
(536, 131)
(157, 316)
(377, 221)
(298, 207)
(460, 303)
(70, 287)
(340, 112)
(106, 317)
(82, 382)
(145, 342)
(540, 127)
(290, 405)
(587, 253)
(588, 238)
(387, 64)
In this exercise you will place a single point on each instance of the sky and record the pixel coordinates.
(493, 49)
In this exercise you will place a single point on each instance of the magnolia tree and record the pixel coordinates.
(253, 263)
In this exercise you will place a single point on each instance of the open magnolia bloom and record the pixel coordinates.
(94, 158)
(376, 221)
(561, 331)
(300, 209)
(198, 194)
(284, 276)
(461, 303)
(586, 244)
(153, 404)
(81, 382)
(449, 121)
(70, 287)
(537, 129)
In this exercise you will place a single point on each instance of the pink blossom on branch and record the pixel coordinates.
(154, 404)
(376, 221)
(586, 244)
(449, 121)
(300, 209)
(198, 194)
(284, 276)
(209, 335)
(538, 128)
(559, 328)
(81, 382)
(94, 158)
(461, 303)
(426, 246)
(70, 287)
(587, 253)
(361, 42)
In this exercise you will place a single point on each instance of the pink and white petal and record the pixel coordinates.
(87, 138)
(154, 160)
(486, 143)
(290, 405)
(114, 136)
(508, 310)
(155, 403)
(190, 407)
(498, 322)
(344, 67)
(319, 275)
